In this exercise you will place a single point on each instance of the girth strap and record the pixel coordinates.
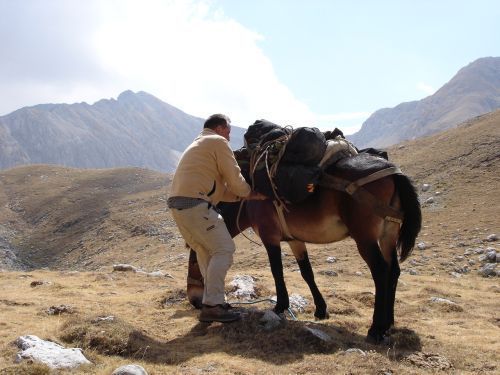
(281, 218)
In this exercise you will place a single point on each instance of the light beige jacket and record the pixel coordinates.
(208, 170)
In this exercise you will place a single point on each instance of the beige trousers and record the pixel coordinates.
(205, 232)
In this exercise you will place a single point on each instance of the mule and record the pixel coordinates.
(329, 215)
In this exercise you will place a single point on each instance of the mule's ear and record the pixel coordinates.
(186, 245)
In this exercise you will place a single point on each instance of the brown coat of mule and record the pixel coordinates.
(328, 216)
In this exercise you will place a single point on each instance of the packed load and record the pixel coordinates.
(287, 163)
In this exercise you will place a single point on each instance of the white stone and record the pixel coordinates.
(492, 237)
(130, 370)
(421, 246)
(331, 259)
(441, 300)
(49, 353)
(159, 274)
(426, 187)
(244, 286)
(429, 200)
(298, 302)
(354, 351)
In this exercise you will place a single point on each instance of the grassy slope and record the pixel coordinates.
(89, 220)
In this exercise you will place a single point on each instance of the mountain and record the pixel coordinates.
(473, 91)
(136, 129)
(65, 218)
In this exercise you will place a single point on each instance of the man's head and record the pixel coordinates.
(219, 123)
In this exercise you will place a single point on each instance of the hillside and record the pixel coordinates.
(473, 91)
(81, 222)
(135, 130)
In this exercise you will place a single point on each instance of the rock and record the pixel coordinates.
(492, 238)
(413, 272)
(426, 187)
(429, 361)
(331, 259)
(270, 320)
(329, 273)
(49, 353)
(441, 300)
(130, 370)
(36, 283)
(491, 255)
(489, 269)
(61, 309)
(429, 200)
(243, 286)
(464, 269)
(159, 274)
(298, 302)
(124, 267)
(353, 351)
(421, 246)
(319, 334)
(108, 318)
(437, 193)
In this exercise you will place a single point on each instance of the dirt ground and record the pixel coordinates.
(69, 227)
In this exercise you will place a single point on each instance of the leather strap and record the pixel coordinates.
(364, 196)
(281, 218)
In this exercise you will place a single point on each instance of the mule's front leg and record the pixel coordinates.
(274, 254)
(300, 252)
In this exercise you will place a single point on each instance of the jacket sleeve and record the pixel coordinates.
(231, 173)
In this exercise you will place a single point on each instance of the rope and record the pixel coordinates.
(238, 225)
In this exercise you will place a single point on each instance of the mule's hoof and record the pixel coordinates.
(322, 316)
(378, 339)
(195, 296)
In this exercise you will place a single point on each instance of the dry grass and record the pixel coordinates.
(86, 221)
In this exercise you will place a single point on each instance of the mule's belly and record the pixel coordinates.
(327, 230)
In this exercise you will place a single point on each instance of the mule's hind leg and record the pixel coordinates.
(274, 254)
(394, 273)
(380, 272)
(195, 283)
(300, 252)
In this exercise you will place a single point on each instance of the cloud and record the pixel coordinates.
(427, 89)
(186, 53)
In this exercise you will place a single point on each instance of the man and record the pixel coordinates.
(207, 174)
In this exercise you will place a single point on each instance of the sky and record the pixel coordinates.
(324, 63)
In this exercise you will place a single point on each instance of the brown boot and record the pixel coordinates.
(218, 313)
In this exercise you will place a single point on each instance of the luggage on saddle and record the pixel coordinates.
(297, 172)
(306, 146)
(257, 132)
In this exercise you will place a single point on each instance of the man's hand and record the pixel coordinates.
(255, 196)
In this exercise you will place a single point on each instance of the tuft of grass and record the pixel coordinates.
(105, 337)
(405, 339)
(27, 369)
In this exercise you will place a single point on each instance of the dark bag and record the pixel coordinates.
(375, 152)
(306, 146)
(295, 182)
(256, 132)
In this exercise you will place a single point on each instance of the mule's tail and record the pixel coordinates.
(412, 221)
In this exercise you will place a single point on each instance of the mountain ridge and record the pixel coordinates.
(136, 129)
(473, 91)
